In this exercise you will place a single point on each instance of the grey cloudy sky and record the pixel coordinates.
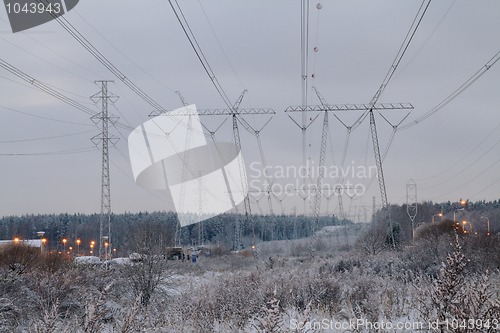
(255, 45)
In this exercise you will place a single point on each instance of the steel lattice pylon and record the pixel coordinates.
(235, 113)
(104, 138)
(411, 203)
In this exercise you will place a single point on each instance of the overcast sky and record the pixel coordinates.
(255, 45)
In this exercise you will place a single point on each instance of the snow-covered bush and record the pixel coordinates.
(459, 302)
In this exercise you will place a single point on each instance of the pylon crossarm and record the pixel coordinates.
(350, 107)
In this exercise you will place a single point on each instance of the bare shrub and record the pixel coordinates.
(18, 258)
(48, 321)
(373, 241)
(52, 263)
(232, 300)
(149, 272)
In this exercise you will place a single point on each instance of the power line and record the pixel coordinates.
(427, 39)
(45, 61)
(220, 44)
(463, 170)
(27, 34)
(45, 88)
(51, 153)
(199, 52)
(46, 138)
(457, 92)
(399, 56)
(43, 117)
(49, 85)
(485, 188)
(458, 162)
(470, 180)
(123, 54)
(103, 60)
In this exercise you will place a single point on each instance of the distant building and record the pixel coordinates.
(29, 242)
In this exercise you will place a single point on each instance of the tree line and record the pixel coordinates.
(219, 230)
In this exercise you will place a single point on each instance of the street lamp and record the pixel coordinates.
(438, 214)
(40, 235)
(464, 222)
(78, 247)
(488, 221)
(92, 243)
(106, 244)
(64, 244)
(44, 244)
(455, 213)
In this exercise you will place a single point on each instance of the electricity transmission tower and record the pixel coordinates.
(104, 138)
(411, 203)
(235, 113)
(349, 107)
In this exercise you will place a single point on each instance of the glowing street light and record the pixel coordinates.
(92, 243)
(78, 247)
(464, 223)
(44, 244)
(64, 244)
(17, 240)
(438, 214)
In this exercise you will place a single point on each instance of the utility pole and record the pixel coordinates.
(104, 138)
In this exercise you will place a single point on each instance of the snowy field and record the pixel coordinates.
(432, 286)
